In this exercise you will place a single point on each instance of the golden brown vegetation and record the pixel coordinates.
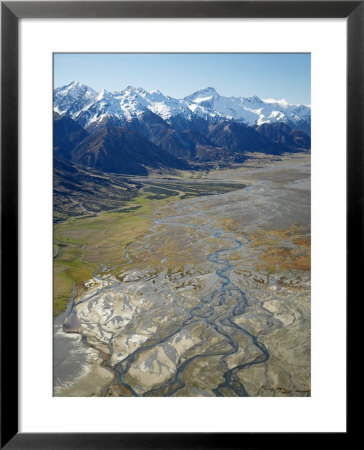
(282, 249)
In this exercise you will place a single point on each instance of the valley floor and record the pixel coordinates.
(202, 296)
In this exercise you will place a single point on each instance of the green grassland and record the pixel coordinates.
(84, 243)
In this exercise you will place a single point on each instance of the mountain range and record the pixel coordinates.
(132, 131)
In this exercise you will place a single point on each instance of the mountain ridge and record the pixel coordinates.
(90, 108)
(121, 150)
(134, 131)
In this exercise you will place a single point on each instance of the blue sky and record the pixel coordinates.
(266, 75)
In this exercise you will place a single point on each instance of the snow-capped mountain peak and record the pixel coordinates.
(254, 99)
(75, 88)
(88, 107)
(73, 97)
(103, 95)
(202, 96)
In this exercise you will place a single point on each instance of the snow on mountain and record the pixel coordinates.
(72, 98)
(208, 103)
(161, 105)
(250, 110)
(293, 113)
(90, 108)
(103, 108)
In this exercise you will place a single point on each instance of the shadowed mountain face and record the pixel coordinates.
(163, 135)
(280, 133)
(151, 143)
(202, 141)
(240, 138)
(120, 150)
(304, 126)
(66, 135)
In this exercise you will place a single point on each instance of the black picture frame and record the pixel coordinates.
(11, 12)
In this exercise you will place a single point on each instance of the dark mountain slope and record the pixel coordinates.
(66, 135)
(304, 126)
(239, 138)
(153, 129)
(163, 135)
(120, 150)
(281, 133)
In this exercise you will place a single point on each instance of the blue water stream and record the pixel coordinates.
(208, 311)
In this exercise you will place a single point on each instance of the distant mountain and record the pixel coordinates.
(121, 150)
(163, 135)
(133, 130)
(207, 103)
(72, 98)
(94, 110)
(66, 135)
(280, 133)
(241, 138)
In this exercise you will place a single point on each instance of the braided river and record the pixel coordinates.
(214, 300)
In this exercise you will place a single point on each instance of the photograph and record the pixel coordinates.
(176, 223)
(181, 224)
